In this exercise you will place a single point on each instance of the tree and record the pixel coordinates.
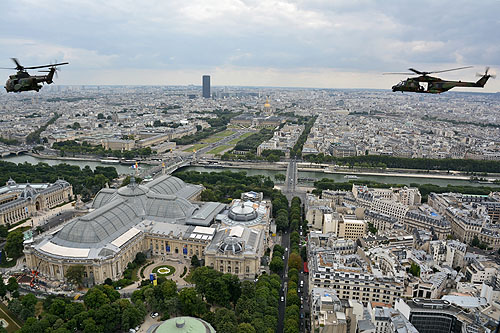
(3, 288)
(279, 177)
(100, 295)
(140, 258)
(245, 328)
(28, 302)
(12, 284)
(303, 253)
(291, 326)
(131, 316)
(294, 261)
(225, 321)
(4, 231)
(74, 274)
(168, 289)
(100, 116)
(15, 306)
(190, 303)
(293, 275)
(282, 222)
(371, 228)
(475, 242)
(194, 261)
(414, 269)
(58, 307)
(14, 244)
(276, 265)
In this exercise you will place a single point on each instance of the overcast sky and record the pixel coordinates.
(313, 43)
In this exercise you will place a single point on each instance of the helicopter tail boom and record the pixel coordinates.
(482, 81)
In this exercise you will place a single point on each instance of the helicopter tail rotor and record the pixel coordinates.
(486, 73)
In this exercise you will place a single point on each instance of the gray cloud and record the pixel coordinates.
(283, 36)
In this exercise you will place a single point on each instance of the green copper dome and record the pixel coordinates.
(185, 325)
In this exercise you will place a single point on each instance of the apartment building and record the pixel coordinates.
(345, 226)
(381, 221)
(351, 277)
(329, 314)
(426, 218)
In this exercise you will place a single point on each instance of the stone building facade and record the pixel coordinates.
(22, 201)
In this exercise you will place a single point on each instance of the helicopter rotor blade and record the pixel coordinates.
(45, 66)
(19, 67)
(449, 70)
(7, 68)
(418, 72)
(397, 73)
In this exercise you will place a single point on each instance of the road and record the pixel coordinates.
(291, 180)
(285, 242)
(291, 177)
(304, 307)
(223, 141)
(58, 219)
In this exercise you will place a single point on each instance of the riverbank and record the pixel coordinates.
(279, 166)
(85, 159)
(389, 174)
(63, 158)
(80, 162)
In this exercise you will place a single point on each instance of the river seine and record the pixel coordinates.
(125, 169)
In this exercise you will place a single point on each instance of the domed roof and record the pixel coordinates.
(184, 325)
(242, 213)
(167, 185)
(11, 182)
(99, 226)
(132, 190)
(231, 244)
(28, 192)
(168, 206)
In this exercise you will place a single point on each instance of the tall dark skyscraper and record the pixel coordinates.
(206, 86)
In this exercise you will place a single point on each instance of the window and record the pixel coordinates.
(236, 270)
(248, 269)
(229, 269)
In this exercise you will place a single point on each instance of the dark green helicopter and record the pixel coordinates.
(436, 85)
(22, 81)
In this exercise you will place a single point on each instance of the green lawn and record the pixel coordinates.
(219, 149)
(217, 136)
(235, 141)
(211, 139)
(197, 146)
(225, 133)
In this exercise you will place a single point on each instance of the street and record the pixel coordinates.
(285, 242)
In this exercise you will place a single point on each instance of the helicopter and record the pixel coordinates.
(22, 81)
(436, 85)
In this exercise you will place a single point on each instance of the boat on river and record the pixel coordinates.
(110, 161)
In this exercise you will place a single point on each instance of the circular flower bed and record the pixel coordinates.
(164, 270)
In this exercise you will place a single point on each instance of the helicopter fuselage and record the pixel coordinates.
(22, 81)
(435, 85)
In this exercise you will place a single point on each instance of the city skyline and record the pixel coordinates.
(289, 44)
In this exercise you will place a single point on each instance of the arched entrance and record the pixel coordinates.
(37, 205)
